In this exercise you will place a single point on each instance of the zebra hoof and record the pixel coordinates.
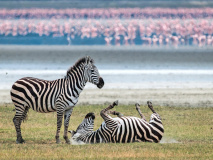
(58, 141)
(149, 103)
(67, 140)
(20, 140)
(137, 105)
(115, 103)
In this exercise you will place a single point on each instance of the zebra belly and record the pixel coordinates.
(131, 131)
(44, 108)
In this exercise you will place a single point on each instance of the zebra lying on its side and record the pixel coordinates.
(59, 95)
(119, 130)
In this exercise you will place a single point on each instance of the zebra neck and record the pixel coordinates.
(75, 79)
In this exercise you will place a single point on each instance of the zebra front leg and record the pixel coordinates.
(150, 106)
(114, 112)
(139, 111)
(104, 111)
(110, 122)
(59, 123)
(67, 115)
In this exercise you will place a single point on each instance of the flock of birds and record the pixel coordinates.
(116, 26)
(105, 13)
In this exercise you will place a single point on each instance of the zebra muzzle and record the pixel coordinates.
(91, 114)
(101, 83)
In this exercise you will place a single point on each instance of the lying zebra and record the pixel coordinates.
(120, 129)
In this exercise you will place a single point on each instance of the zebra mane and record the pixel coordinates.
(80, 61)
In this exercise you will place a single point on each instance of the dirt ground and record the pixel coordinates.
(163, 97)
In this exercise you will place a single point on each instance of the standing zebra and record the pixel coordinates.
(119, 130)
(59, 95)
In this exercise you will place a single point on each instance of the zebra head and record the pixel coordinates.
(86, 126)
(91, 73)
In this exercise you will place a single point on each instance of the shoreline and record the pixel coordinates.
(173, 97)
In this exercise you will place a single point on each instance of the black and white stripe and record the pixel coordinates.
(120, 129)
(59, 95)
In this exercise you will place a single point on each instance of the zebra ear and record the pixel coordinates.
(88, 59)
(72, 132)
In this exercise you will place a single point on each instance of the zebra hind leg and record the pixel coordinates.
(18, 118)
(17, 123)
(139, 111)
(59, 123)
(150, 106)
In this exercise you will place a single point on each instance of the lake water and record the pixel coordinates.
(130, 68)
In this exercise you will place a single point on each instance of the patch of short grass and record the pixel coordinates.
(192, 128)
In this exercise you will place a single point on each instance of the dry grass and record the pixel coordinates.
(191, 127)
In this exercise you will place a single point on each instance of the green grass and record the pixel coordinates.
(192, 128)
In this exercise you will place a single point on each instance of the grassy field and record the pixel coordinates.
(188, 135)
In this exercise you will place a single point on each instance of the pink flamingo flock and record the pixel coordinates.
(105, 13)
(116, 26)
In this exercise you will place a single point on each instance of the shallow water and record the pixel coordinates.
(130, 67)
(124, 78)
